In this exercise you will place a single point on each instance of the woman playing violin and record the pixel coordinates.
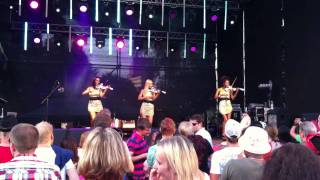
(225, 95)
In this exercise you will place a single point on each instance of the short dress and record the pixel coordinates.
(225, 106)
(147, 106)
(95, 104)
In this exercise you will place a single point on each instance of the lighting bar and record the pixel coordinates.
(162, 12)
(70, 15)
(140, 13)
(90, 41)
(185, 47)
(204, 46)
(48, 36)
(167, 44)
(130, 42)
(225, 15)
(149, 40)
(204, 14)
(25, 40)
(118, 11)
(70, 39)
(20, 7)
(184, 14)
(110, 41)
(97, 11)
(46, 13)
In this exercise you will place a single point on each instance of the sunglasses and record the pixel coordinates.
(194, 124)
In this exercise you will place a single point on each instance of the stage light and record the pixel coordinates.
(80, 42)
(150, 16)
(10, 7)
(36, 40)
(214, 18)
(110, 41)
(58, 10)
(232, 22)
(106, 13)
(172, 50)
(83, 8)
(193, 49)
(150, 12)
(58, 44)
(137, 48)
(100, 41)
(129, 10)
(34, 4)
(120, 43)
(91, 40)
(130, 42)
(97, 11)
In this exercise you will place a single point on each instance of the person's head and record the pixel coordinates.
(294, 162)
(201, 146)
(197, 122)
(45, 130)
(24, 139)
(105, 155)
(176, 159)
(185, 128)
(148, 84)
(272, 132)
(102, 119)
(233, 131)
(225, 81)
(306, 128)
(71, 144)
(96, 81)
(167, 127)
(83, 137)
(255, 142)
(143, 126)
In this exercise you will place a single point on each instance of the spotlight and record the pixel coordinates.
(106, 13)
(83, 8)
(10, 7)
(137, 48)
(58, 10)
(193, 49)
(80, 42)
(100, 42)
(214, 18)
(36, 40)
(120, 44)
(150, 12)
(34, 4)
(150, 16)
(58, 44)
(232, 22)
(172, 50)
(129, 10)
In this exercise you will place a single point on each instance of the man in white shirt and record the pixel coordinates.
(197, 125)
(220, 158)
(54, 154)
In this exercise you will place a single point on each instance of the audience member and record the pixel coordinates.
(5, 126)
(220, 158)
(25, 165)
(105, 156)
(273, 137)
(103, 119)
(83, 137)
(138, 147)
(198, 129)
(306, 129)
(71, 144)
(255, 144)
(167, 130)
(185, 128)
(203, 150)
(292, 162)
(176, 159)
(54, 154)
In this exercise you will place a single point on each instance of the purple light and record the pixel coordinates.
(129, 12)
(120, 44)
(36, 40)
(80, 42)
(83, 8)
(34, 4)
(214, 18)
(193, 49)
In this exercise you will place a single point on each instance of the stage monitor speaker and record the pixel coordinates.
(277, 117)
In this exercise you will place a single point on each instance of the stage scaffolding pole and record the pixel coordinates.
(216, 69)
(244, 60)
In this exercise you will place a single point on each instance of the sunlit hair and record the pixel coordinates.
(167, 127)
(181, 157)
(147, 83)
(105, 155)
(45, 132)
(185, 128)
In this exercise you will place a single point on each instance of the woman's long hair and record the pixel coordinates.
(105, 156)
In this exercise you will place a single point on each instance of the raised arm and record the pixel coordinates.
(233, 96)
(103, 92)
(216, 95)
(155, 95)
(140, 97)
(86, 92)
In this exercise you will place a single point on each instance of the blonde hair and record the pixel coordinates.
(185, 128)
(181, 156)
(105, 155)
(45, 132)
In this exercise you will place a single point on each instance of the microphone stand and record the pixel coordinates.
(46, 100)
(2, 107)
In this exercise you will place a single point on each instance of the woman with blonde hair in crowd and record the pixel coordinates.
(105, 156)
(176, 159)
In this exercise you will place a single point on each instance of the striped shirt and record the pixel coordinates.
(29, 168)
(138, 145)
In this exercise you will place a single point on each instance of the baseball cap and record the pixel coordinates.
(232, 129)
